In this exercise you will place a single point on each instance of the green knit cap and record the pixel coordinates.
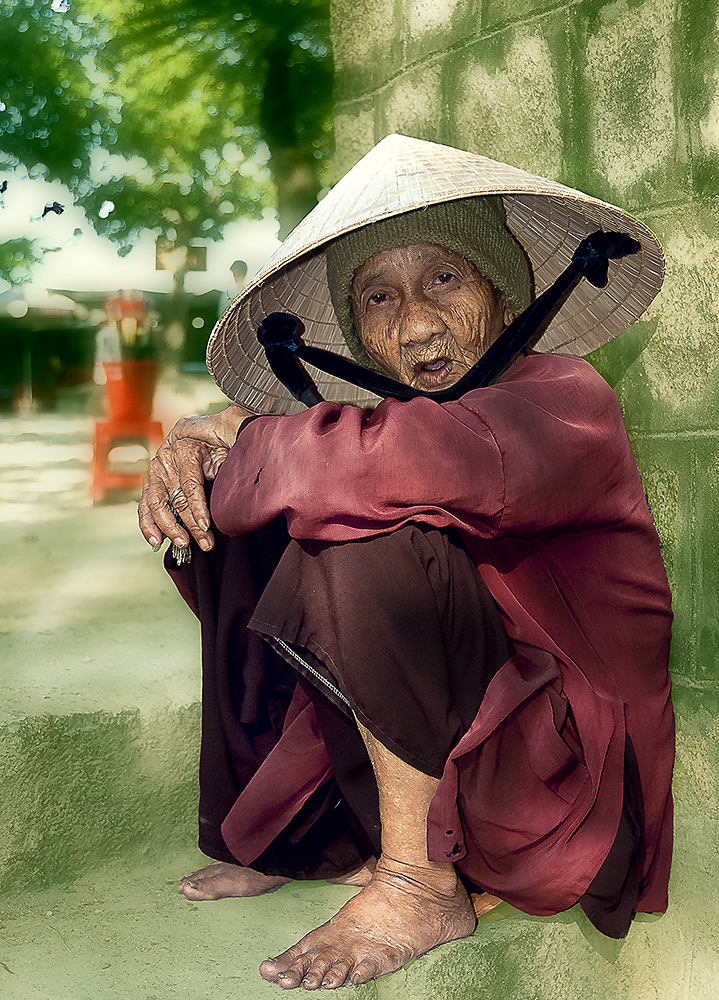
(473, 227)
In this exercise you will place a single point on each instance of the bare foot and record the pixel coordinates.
(361, 876)
(400, 915)
(220, 881)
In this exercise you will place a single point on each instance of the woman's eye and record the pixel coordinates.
(442, 280)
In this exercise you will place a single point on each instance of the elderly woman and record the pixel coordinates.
(435, 629)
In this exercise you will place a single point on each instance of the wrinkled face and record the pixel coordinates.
(425, 315)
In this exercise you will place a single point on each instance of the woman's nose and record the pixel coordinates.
(420, 320)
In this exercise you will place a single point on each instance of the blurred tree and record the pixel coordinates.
(170, 115)
(17, 257)
(156, 114)
(204, 81)
(52, 115)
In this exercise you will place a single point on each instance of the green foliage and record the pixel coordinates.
(204, 81)
(52, 116)
(17, 258)
(169, 115)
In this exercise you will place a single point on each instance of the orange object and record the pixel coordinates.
(130, 388)
(108, 435)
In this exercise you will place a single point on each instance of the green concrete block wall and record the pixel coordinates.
(620, 99)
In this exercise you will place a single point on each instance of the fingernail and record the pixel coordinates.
(204, 544)
(156, 546)
(180, 543)
(204, 524)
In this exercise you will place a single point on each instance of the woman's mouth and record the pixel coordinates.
(432, 374)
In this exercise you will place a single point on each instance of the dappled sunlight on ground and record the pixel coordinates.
(89, 619)
(44, 466)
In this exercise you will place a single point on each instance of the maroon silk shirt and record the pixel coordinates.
(538, 475)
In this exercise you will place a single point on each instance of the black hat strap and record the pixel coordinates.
(280, 335)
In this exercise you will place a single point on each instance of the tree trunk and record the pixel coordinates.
(292, 163)
(176, 320)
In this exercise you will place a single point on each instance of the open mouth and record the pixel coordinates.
(434, 372)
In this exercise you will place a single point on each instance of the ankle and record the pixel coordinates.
(438, 877)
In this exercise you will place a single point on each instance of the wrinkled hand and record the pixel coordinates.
(191, 453)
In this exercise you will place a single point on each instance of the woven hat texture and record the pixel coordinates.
(401, 174)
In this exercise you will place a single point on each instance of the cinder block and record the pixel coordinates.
(367, 44)
(435, 26)
(355, 134)
(496, 13)
(629, 66)
(413, 105)
(680, 471)
(505, 103)
(674, 386)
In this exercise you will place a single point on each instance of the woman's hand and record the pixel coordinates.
(192, 452)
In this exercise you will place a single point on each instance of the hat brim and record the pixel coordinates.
(548, 219)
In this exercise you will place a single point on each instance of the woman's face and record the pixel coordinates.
(425, 315)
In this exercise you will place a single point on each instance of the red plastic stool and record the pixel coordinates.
(110, 433)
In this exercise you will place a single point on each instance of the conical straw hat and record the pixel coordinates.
(398, 175)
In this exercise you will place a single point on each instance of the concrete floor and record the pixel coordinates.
(99, 726)
(122, 930)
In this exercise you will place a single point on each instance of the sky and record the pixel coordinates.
(89, 262)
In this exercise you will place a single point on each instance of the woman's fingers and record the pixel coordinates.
(173, 503)
(212, 459)
(191, 460)
(155, 515)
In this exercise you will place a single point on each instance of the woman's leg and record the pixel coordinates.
(397, 638)
(399, 631)
(411, 905)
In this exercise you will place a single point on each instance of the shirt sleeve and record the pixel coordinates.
(501, 459)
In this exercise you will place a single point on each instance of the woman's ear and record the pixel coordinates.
(508, 313)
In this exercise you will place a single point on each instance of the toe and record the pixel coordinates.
(292, 978)
(269, 969)
(336, 976)
(318, 970)
(368, 968)
(314, 976)
(194, 889)
(284, 969)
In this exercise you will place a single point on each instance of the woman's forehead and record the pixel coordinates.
(401, 259)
